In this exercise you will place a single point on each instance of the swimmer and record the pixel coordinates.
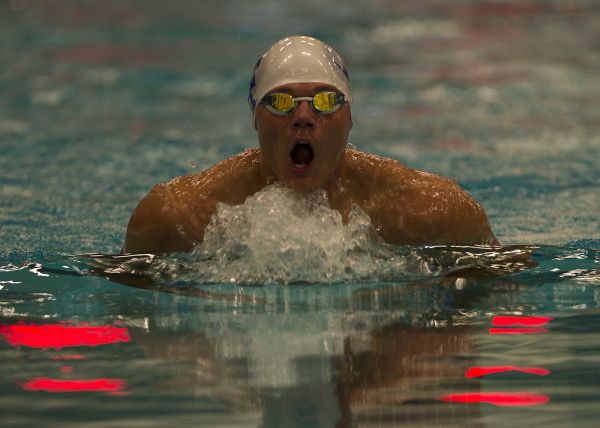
(301, 104)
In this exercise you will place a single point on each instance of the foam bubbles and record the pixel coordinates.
(278, 236)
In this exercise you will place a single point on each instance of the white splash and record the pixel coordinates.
(278, 236)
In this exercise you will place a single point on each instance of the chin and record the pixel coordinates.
(302, 185)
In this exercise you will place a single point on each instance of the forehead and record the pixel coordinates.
(304, 89)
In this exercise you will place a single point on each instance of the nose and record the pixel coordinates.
(304, 115)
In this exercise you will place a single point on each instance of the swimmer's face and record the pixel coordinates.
(303, 149)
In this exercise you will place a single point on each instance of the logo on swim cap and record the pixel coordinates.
(298, 59)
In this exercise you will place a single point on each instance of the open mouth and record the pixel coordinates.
(302, 155)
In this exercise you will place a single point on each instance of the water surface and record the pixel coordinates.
(318, 325)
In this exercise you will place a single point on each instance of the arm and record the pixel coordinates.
(155, 225)
(173, 216)
(438, 212)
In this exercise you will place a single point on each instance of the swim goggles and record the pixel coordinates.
(325, 102)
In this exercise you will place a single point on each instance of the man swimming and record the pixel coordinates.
(300, 98)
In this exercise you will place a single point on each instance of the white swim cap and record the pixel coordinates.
(298, 59)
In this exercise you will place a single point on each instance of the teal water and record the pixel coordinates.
(102, 100)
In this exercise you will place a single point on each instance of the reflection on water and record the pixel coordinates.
(443, 349)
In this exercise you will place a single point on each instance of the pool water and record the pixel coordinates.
(317, 325)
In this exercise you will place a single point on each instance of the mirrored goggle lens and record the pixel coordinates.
(283, 103)
(324, 102)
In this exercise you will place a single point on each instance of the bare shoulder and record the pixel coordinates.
(173, 215)
(417, 207)
(154, 225)
(229, 174)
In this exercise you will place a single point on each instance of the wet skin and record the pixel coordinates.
(326, 134)
(406, 206)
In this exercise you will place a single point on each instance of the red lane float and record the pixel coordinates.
(498, 398)
(530, 321)
(484, 371)
(59, 336)
(81, 385)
